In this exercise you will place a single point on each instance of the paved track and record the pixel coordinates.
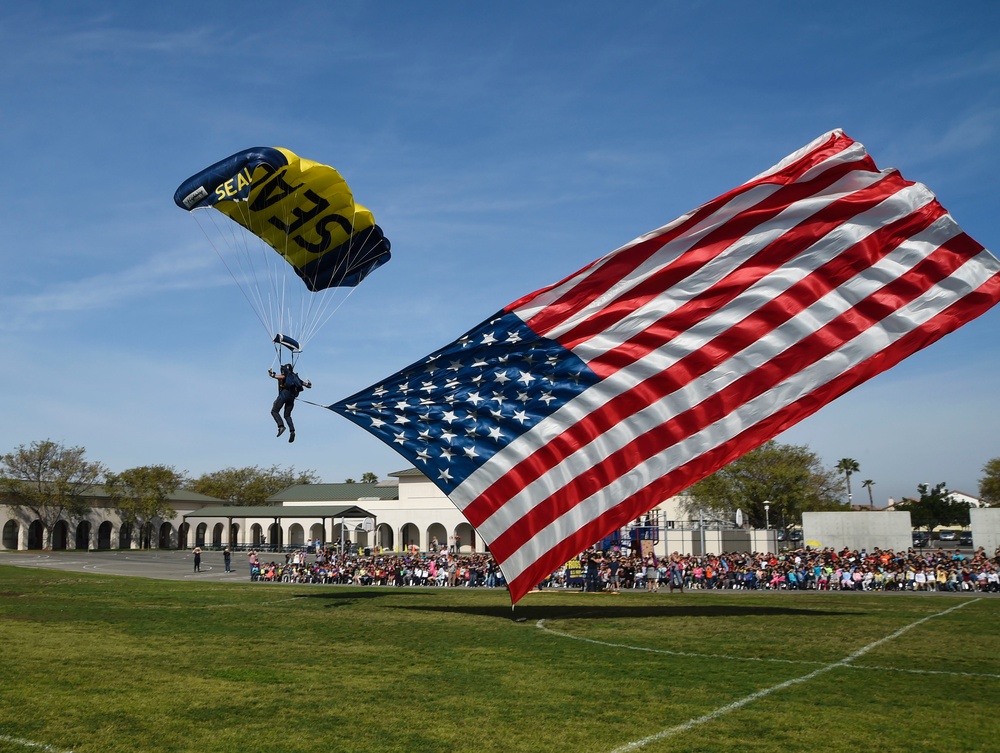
(159, 564)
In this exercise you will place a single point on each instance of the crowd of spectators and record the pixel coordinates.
(799, 569)
(327, 565)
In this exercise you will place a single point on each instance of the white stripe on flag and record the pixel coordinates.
(868, 343)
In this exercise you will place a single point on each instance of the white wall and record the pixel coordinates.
(985, 528)
(857, 530)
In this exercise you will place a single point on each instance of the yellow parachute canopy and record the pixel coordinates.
(301, 209)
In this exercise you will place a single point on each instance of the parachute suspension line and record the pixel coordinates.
(222, 257)
(264, 273)
(321, 321)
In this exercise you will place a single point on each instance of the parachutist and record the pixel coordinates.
(290, 385)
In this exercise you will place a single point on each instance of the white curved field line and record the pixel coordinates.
(31, 744)
(735, 705)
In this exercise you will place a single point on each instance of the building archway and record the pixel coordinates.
(256, 534)
(383, 537)
(318, 533)
(125, 536)
(437, 533)
(234, 534)
(60, 536)
(83, 535)
(465, 538)
(275, 537)
(36, 535)
(166, 539)
(409, 536)
(296, 536)
(217, 530)
(361, 538)
(199, 534)
(104, 532)
(10, 531)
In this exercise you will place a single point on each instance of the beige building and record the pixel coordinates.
(407, 511)
(100, 527)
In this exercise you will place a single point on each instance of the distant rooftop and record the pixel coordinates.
(335, 493)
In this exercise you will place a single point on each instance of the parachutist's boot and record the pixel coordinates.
(281, 430)
(291, 437)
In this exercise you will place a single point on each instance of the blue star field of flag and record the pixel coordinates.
(450, 412)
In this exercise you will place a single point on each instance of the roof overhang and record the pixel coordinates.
(281, 511)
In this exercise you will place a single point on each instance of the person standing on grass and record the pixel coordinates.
(652, 575)
(676, 575)
(594, 561)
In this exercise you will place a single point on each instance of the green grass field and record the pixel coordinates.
(96, 663)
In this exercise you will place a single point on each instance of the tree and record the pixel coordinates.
(50, 481)
(140, 495)
(251, 485)
(369, 478)
(848, 466)
(936, 507)
(868, 484)
(989, 484)
(790, 477)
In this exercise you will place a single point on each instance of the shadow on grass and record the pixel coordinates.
(612, 612)
(343, 598)
(524, 613)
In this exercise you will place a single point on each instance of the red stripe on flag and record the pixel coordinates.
(770, 315)
(961, 311)
(828, 339)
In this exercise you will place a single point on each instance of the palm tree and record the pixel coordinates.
(847, 466)
(868, 484)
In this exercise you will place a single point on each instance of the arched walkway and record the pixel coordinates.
(166, 539)
(104, 532)
(10, 532)
(36, 535)
(60, 535)
(383, 537)
(83, 535)
(409, 535)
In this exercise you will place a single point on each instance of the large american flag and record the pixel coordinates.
(583, 405)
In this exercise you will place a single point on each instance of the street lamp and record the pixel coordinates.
(767, 515)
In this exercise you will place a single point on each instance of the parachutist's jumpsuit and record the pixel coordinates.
(286, 399)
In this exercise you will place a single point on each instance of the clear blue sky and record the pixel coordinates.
(501, 147)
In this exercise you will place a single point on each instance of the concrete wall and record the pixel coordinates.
(857, 530)
(985, 528)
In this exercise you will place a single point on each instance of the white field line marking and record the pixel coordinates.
(670, 732)
(927, 671)
(540, 624)
(30, 744)
(699, 655)
(736, 705)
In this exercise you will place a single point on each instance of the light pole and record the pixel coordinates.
(767, 515)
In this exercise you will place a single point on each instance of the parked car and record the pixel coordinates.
(965, 538)
(921, 538)
(947, 535)
(795, 535)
